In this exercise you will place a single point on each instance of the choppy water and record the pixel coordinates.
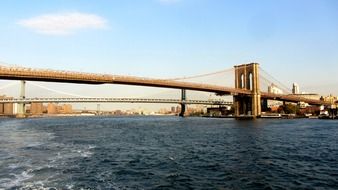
(167, 153)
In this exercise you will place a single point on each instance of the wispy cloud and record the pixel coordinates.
(63, 23)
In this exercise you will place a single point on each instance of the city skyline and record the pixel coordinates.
(175, 38)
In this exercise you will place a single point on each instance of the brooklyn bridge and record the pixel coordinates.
(248, 92)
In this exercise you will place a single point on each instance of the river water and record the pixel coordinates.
(167, 153)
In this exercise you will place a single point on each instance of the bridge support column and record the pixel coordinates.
(247, 77)
(21, 112)
(183, 105)
(98, 109)
(256, 105)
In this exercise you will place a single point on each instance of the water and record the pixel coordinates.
(167, 153)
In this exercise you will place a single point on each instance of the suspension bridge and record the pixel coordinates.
(247, 83)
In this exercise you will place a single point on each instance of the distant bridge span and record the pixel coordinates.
(113, 100)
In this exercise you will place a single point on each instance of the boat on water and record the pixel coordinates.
(271, 115)
(326, 116)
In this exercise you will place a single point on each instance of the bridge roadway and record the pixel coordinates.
(112, 100)
(22, 73)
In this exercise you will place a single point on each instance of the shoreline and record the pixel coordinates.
(202, 116)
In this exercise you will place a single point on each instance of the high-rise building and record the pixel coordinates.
(295, 88)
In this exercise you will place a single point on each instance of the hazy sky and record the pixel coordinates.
(295, 41)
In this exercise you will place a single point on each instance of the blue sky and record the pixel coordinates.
(295, 41)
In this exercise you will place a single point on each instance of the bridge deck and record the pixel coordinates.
(11, 73)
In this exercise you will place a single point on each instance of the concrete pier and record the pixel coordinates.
(21, 106)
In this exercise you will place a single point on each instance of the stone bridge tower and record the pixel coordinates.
(247, 77)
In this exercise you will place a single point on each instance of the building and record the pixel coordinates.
(330, 98)
(8, 109)
(273, 105)
(52, 108)
(173, 109)
(303, 105)
(295, 88)
(163, 111)
(36, 108)
(178, 109)
(2, 105)
(59, 109)
(1, 108)
(66, 109)
(219, 111)
(195, 110)
(118, 112)
(274, 89)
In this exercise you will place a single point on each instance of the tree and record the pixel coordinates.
(289, 109)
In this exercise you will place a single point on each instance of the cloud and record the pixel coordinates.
(63, 23)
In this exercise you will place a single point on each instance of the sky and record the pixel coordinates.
(295, 41)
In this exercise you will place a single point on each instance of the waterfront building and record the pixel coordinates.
(173, 109)
(2, 105)
(178, 109)
(1, 108)
(66, 109)
(52, 108)
(118, 112)
(163, 111)
(59, 109)
(330, 98)
(36, 108)
(8, 109)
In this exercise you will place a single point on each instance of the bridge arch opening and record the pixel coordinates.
(242, 81)
(250, 82)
